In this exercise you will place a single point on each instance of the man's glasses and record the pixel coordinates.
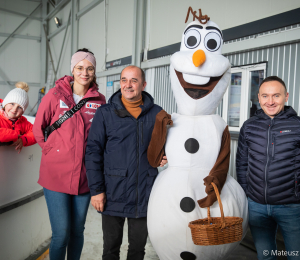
(79, 70)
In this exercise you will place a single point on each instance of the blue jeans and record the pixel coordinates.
(67, 215)
(264, 220)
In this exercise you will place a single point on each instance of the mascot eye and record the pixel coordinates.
(212, 41)
(192, 39)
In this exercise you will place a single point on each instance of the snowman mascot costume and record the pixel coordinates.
(197, 147)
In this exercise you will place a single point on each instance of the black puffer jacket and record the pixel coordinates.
(268, 157)
(116, 157)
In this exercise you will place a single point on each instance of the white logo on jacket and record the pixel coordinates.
(63, 104)
(89, 112)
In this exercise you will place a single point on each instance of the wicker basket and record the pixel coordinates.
(216, 231)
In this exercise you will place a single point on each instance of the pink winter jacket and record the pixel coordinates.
(62, 166)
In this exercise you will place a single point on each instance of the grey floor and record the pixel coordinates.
(93, 243)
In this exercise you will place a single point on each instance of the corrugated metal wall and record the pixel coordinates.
(163, 94)
(115, 77)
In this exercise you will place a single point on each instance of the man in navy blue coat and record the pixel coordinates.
(119, 175)
(268, 169)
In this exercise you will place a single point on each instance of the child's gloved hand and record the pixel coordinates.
(18, 144)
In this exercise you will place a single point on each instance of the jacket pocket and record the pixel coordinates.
(151, 176)
(47, 147)
(115, 182)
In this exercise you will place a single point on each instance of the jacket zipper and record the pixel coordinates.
(267, 161)
(296, 186)
(137, 168)
(273, 146)
(142, 133)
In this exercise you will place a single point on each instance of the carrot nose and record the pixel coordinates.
(199, 58)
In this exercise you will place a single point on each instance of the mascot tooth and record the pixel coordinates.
(197, 147)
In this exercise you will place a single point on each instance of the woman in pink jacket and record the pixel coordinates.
(62, 170)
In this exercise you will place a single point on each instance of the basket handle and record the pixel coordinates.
(220, 204)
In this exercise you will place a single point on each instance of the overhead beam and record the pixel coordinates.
(43, 51)
(74, 26)
(28, 37)
(20, 14)
(57, 31)
(88, 8)
(148, 64)
(12, 83)
(19, 26)
(60, 6)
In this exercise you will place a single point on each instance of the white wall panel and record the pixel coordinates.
(20, 60)
(92, 34)
(84, 3)
(55, 45)
(102, 85)
(20, 6)
(120, 28)
(18, 180)
(24, 229)
(168, 16)
(9, 22)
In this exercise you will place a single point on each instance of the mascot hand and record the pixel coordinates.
(211, 195)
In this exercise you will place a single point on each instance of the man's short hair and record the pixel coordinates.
(132, 66)
(273, 78)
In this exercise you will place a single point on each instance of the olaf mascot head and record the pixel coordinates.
(199, 72)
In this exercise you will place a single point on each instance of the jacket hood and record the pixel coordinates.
(115, 100)
(286, 113)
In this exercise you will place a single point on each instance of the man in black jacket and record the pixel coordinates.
(268, 169)
(119, 175)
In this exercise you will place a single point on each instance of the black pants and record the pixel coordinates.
(113, 233)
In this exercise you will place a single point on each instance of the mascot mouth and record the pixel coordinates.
(198, 91)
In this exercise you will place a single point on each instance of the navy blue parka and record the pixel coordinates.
(268, 157)
(116, 157)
